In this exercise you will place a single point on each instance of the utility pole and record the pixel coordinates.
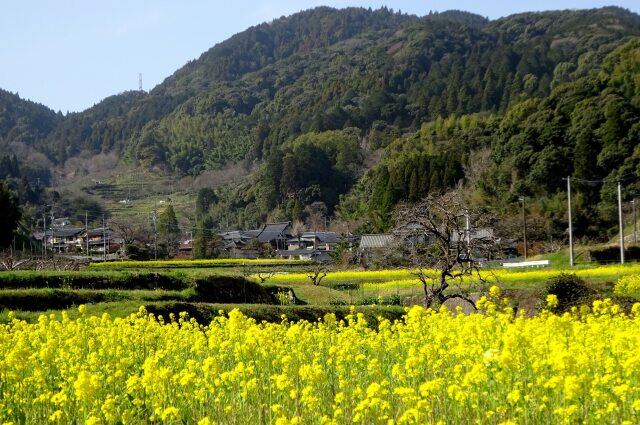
(524, 226)
(621, 223)
(106, 230)
(44, 238)
(104, 241)
(635, 222)
(86, 230)
(570, 222)
(467, 229)
(155, 232)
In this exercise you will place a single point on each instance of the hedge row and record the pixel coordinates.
(213, 289)
(612, 254)
(91, 280)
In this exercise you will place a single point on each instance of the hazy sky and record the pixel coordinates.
(70, 54)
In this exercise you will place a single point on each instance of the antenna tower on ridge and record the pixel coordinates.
(140, 81)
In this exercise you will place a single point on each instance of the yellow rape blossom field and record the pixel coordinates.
(509, 276)
(491, 367)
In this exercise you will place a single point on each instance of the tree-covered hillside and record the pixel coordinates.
(588, 129)
(344, 113)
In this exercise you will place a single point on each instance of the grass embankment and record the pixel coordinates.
(121, 292)
(96, 279)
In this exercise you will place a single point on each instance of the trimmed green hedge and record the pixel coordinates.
(231, 289)
(93, 280)
(212, 289)
(611, 254)
(48, 299)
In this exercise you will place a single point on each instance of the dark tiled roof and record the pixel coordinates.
(99, 232)
(326, 237)
(63, 232)
(273, 232)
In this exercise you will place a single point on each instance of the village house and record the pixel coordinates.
(311, 246)
(275, 234)
(62, 240)
(98, 241)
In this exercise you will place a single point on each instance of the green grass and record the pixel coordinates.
(121, 291)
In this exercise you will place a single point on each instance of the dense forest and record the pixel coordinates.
(345, 113)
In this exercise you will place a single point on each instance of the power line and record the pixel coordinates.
(621, 179)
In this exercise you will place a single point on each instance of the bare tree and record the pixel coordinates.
(264, 276)
(317, 273)
(449, 241)
(126, 228)
(10, 263)
(317, 216)
(298, 229)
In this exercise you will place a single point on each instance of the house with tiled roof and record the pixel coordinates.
(275, 234)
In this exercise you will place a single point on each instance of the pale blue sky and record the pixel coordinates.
(70, 54)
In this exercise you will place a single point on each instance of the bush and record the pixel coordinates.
(569, 289)
(47, 299)
(612, 254)
(231, 289)
(83, 280)
(136, 253)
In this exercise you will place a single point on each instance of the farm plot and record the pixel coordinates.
(431, 367)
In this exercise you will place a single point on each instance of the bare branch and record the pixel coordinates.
(453, 240)
(264, 277)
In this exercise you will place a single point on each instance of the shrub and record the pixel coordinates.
(92, 280)
(570, 290)
(612, 254)
(136, 253)
(231, 289)
(46, 299)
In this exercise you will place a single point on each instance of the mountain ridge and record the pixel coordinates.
(328, 84)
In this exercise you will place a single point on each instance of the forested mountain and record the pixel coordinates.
(347, 112)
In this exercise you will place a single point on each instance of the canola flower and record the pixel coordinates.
(628, 285)
(494, 367)
(345, 276)
(371, 279)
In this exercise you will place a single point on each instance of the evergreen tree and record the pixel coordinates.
(204, 241)
(10, 215)
(168, 231)
(205, 200)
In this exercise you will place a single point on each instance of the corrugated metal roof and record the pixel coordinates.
(323, 237)
(375, 241)
(480, 233)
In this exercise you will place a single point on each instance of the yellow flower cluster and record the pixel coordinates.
(406, 277)
(348, 276)
(432, 366)
(628, 285)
